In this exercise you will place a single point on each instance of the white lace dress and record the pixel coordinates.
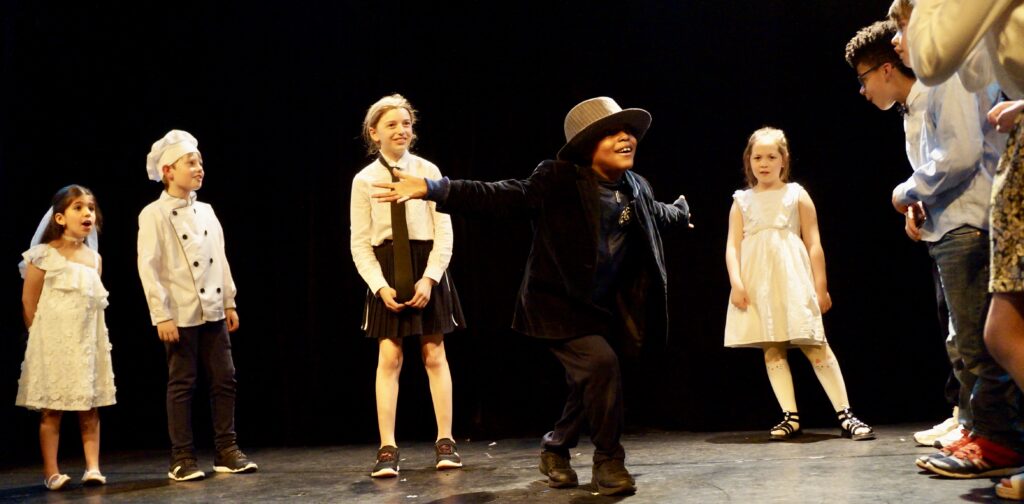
(776, 272)
(67, 362)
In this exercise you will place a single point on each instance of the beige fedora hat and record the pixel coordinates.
(588, 121)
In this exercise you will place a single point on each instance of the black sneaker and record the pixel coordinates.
(387, 463)
(611, 478)
(445, 455)
(556, 467)
(185, 470)
(233, 461)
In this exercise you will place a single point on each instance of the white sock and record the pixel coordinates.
(782, 383)
(826, 367)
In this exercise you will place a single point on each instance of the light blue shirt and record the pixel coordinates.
(953, 151)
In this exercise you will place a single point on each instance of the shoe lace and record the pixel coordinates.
(385, 456)
(445, 449)
(970, 452)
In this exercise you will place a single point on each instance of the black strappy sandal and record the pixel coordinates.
(786, 427)
(849, 425)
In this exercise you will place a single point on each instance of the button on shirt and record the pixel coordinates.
(371, 221)
(182, 265)
(953, 152)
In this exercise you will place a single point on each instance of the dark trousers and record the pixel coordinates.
(595, 398)
(209, 346)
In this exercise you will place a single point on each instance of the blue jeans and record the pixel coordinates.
(962, 256)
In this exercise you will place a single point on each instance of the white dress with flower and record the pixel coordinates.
(776, 272)
(67, 363)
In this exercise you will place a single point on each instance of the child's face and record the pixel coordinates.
(79, 218)
(766, 163)
(876, 85)
(393, 132)
(614, 153)
(186, 174)
(899, 41)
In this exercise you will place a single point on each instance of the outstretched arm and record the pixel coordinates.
(812, 240)
(676, 214)
(738, 296)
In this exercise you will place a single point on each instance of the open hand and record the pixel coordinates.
(408, 187)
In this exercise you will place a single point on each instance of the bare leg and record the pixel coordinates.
(49, 439)
(89, 422)
(1004, 333)
(436, 363)
(389, 366)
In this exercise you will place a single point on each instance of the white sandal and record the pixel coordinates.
(1011, 488)
(56, 481)
(94, 477)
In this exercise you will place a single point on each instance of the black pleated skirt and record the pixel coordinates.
(443, 314)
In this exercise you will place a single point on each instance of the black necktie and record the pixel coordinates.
(400, 244)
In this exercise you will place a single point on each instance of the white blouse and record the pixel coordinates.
(371, 221)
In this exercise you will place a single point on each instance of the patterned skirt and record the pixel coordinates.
(1007, 221)
(443, 313)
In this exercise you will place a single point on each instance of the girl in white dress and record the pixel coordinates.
(67, 360)
(777, 271)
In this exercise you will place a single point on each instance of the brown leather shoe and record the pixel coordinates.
(612, 478)
(556, 467)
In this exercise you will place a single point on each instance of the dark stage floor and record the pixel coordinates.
(669, 467)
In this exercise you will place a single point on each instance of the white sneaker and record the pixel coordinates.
(929, 436)
(951, 437)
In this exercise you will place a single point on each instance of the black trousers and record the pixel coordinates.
(595, 398)
(207, 345)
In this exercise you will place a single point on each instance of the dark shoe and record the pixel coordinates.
(233, 461)
(445, 456)
(611, 478)
(788, 428)
(387, 463)
(185, 470)
(556, 467)
(851, 427)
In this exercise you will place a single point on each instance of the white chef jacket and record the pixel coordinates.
(182, 265)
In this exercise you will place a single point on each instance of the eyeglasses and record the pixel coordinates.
(860, 77)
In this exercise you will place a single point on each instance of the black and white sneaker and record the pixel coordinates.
(387, 463)
(445, 455)
(233, 461)
(185, 470)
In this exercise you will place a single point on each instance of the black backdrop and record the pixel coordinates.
(275, 93)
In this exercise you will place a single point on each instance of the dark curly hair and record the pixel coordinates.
(872, 46)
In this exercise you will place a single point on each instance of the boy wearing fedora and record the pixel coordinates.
(595, 282)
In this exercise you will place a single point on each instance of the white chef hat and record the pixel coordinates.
(167, 150)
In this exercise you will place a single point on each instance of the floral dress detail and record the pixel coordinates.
(67, 363)
(1007, 220)
(776, 271)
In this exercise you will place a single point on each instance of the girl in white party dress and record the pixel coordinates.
(67, 360)
(777, 271)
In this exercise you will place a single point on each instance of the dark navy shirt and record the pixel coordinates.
(614, 198)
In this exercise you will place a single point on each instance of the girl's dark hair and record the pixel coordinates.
(61, 201)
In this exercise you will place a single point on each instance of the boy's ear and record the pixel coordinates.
(166, 170)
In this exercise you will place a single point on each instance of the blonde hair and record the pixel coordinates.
(377, 110)
(768, 134)
(900, 11)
